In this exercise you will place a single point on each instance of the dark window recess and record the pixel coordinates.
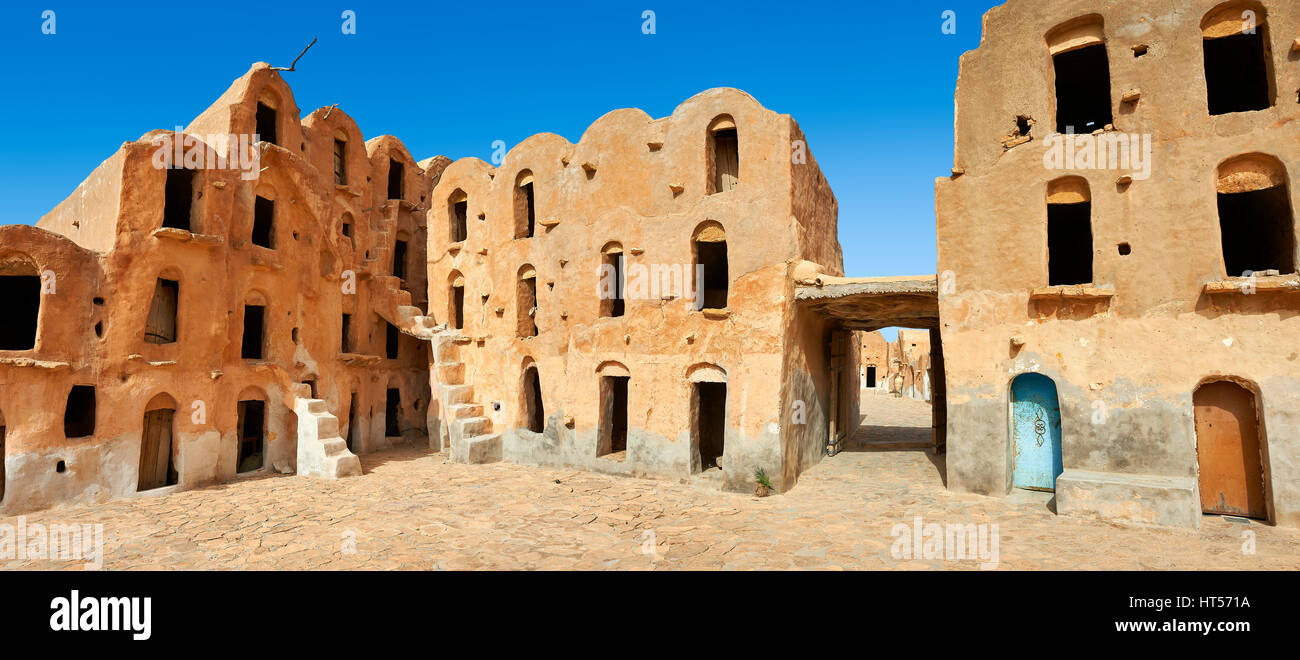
(20, 297)
(252, 435)
(352, 430)
(709, 421)
(399, 259)
(347, 229)
(178, 199)
(1125, 249)
(871, 377)
(457, 307)
(79, 416)
(459, 221)
(613, 414)
(534, 411)
(311, 387)
(264, 223)
(713, 256)
(525, 211)
(392, 341)
(340, 163)
(392, 411)
(266, 123)
(1083, 89)
(2, 462)
(254, 317)
(526, 305)
(1069, 243)
(160, 326)
(615, 305)
(157, 467)
(346, 345)
(726, 160)
(395, 172)
(1237, 73)
(1257, 229)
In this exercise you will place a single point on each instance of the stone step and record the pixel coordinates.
(467, 427)
(317, 406)
(465, 410)
(476, 449)
(453, 394)
(327, 425)
(450, 373)
(334, 446)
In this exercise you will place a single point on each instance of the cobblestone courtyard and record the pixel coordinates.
(413, 510)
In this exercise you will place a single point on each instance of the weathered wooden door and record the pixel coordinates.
(1036, 432)
(157, 468)
(1227, 450)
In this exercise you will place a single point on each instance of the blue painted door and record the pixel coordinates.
(1036, 432)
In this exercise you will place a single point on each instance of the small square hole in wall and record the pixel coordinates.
(60, 467)
(1125, 249)
(1023, 125)
(1140, 50)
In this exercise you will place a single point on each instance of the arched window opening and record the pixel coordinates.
(1238, 64)
(1069, 232)
(710, 250)
(264, 223)
(456, 302)
(20, 297)
(157, 449)
(612, 286)
(252, 435)
(178, 199)
(252, 344)
(392, 413)
(399, 259)
(534, 411)
(1256, 220)
(526, 303)
(1082, 70)
(396, 172)
(612, 438)
(340, 161)
(525, 206)
(346, 343)
(160, 326)
(723, 155)
(266, 123)
(708, 422)
(458, 212)
(79, 415)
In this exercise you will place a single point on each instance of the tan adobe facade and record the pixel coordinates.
(1123, 282)
(200, 310)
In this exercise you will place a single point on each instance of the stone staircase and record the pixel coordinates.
(467, 431)
(321, 451)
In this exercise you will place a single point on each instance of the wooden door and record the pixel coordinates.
(1036, 432)
(1227, 450)
(156, 464)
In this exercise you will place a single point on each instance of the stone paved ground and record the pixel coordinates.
(413, 510)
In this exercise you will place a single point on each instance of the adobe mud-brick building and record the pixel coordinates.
(213, 305)
(168, 327)
(1130, 341)
(698, 362)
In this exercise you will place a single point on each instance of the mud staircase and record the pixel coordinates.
(391, 301)
(322, 452)
(467, 431)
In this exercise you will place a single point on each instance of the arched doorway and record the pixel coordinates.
(157, 446)
(1035, 432)
(534, 411)
(1228, 450)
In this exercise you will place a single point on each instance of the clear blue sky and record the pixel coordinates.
(871, 83)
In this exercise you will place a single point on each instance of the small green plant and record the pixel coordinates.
(761, 477)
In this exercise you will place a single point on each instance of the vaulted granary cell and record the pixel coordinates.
(252, 341)
(708, 422)
(613, 415)
(340, 162)
(266, 123)
(1082, 70)
(352, 431)
(712, 276)
(392, 341)
(525, 206)
(723, 155)
(526, 303)
(20, 297)
(251, 435)
(396, 174)
(178, 199)
(345, 334)
(399, 259)
(1256, 221)
(1069, 232)
(79, 414)
(392, 412)
(263, 223)
(611, 286)
(458, 216)
(456, 302)
(157, 448)
(160, 325)
(534, 410)
(1238, 64)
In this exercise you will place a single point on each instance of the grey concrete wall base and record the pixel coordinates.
(1141, 498)
(476, 449)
